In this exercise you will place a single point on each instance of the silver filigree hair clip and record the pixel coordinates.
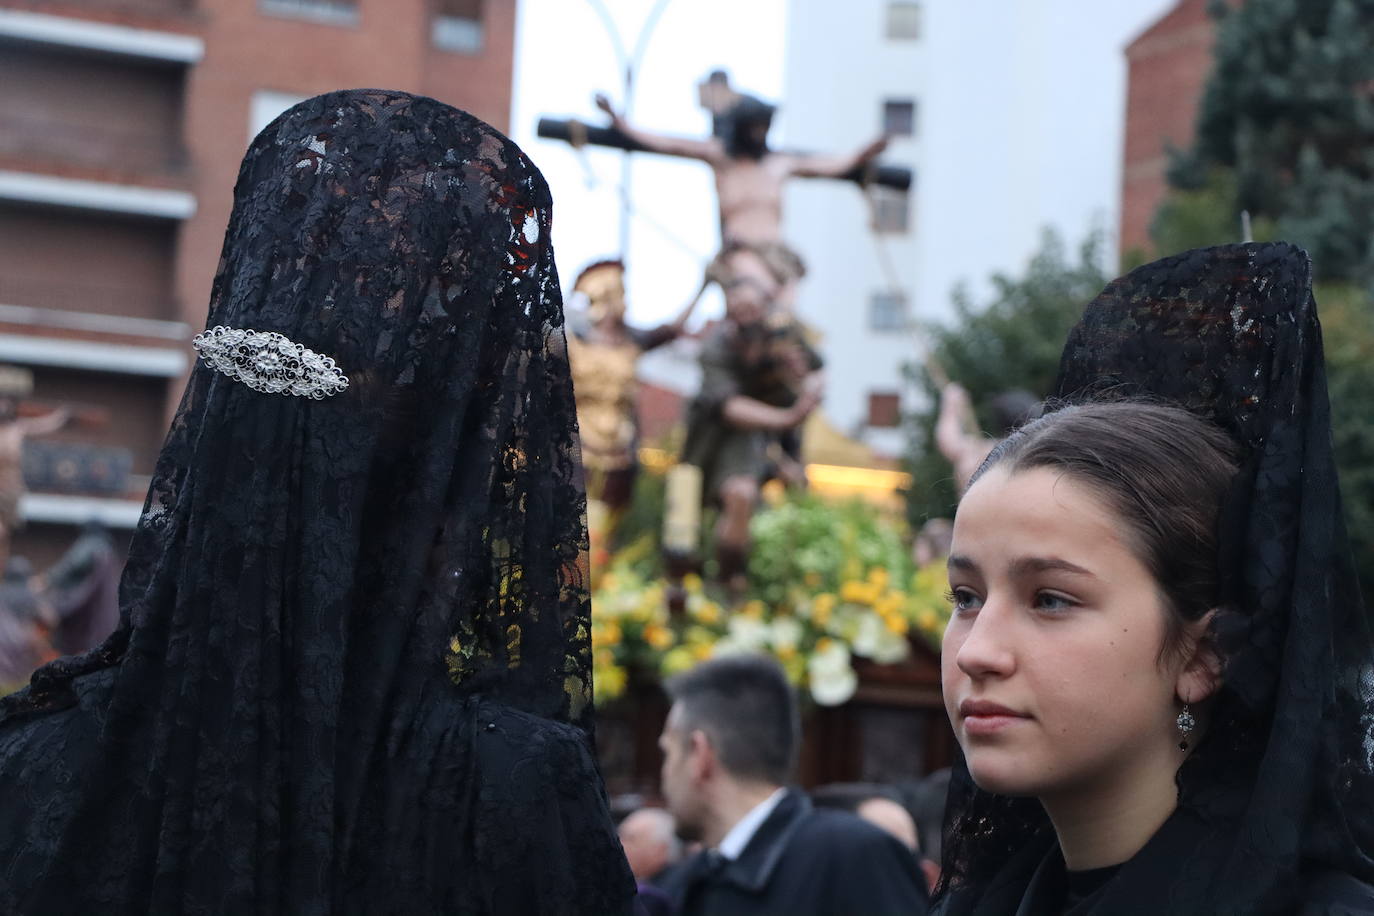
(268, 362)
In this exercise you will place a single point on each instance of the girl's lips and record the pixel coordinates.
(990, 724)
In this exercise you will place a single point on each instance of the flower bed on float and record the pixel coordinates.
(828, 583)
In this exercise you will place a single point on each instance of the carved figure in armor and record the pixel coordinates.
(603, 353)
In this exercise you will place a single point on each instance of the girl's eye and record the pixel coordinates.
(1052, 603)
(962, 599)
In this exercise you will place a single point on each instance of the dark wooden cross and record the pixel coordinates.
(580, 134)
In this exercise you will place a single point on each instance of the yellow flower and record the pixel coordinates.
(824, 645)
(928, 621)
(877, 577)
(786, 653)
(812, 579)
(691, 582)
(854, 592)
(888, 604)
(609, 682)
(660, 637)
(702, 651)
(895, 623)
(675, 661)
(754, 609)
(709, 612)
(699, 636)
(607, 633)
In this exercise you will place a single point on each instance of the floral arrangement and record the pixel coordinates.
(828, 584)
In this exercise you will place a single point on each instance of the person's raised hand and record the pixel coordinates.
(956, 395)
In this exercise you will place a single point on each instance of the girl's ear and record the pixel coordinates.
(1200, 675)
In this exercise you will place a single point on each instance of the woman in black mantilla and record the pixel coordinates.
(1159, 667)
(352, 670)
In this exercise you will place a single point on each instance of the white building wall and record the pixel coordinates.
(1019, 120)
(840, 68)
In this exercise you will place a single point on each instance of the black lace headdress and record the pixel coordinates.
(1282, 786)
(352, 672)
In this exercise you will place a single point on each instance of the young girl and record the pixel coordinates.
(1158, 667)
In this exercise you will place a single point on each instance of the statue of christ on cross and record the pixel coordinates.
(749, 175)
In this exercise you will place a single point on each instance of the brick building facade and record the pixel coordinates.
(122, 125)
(1167, 67)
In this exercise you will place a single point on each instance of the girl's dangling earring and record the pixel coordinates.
(1186, 723)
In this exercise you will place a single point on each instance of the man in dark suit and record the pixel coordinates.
(729, 747)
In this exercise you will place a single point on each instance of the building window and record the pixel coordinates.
(890, 210)
(457, 26)
(332, 12)
(887, 311)
(903, 20)
(884, 409)
(899, 117)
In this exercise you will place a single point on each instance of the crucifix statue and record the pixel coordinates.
(749, 174)
(761, 379)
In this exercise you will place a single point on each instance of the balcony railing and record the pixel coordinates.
(57, 303)
(39, 138)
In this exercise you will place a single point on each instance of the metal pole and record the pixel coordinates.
(628, 65)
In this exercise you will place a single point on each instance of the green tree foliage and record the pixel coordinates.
(1198, 217)
(1012, 341)
(1348, 334)
(1286, 131)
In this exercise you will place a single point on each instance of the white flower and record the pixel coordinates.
(786, 633)
(832, 689)
(868, 636)
(833, 680)
(748, 633)
(892, 648)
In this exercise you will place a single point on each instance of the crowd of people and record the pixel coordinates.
(352, 667)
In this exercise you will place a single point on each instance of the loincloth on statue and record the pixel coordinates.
(782, 261)
(722, 452)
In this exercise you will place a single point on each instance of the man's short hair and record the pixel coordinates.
(748, 711)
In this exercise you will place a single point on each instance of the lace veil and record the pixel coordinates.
(331, 604)
(1282, 785)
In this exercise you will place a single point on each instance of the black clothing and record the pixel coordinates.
(805, 860)
(1281, 786)
(1034, 882)
(352, 667)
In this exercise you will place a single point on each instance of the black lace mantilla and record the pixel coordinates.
(352, 670)
(1281, 790)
